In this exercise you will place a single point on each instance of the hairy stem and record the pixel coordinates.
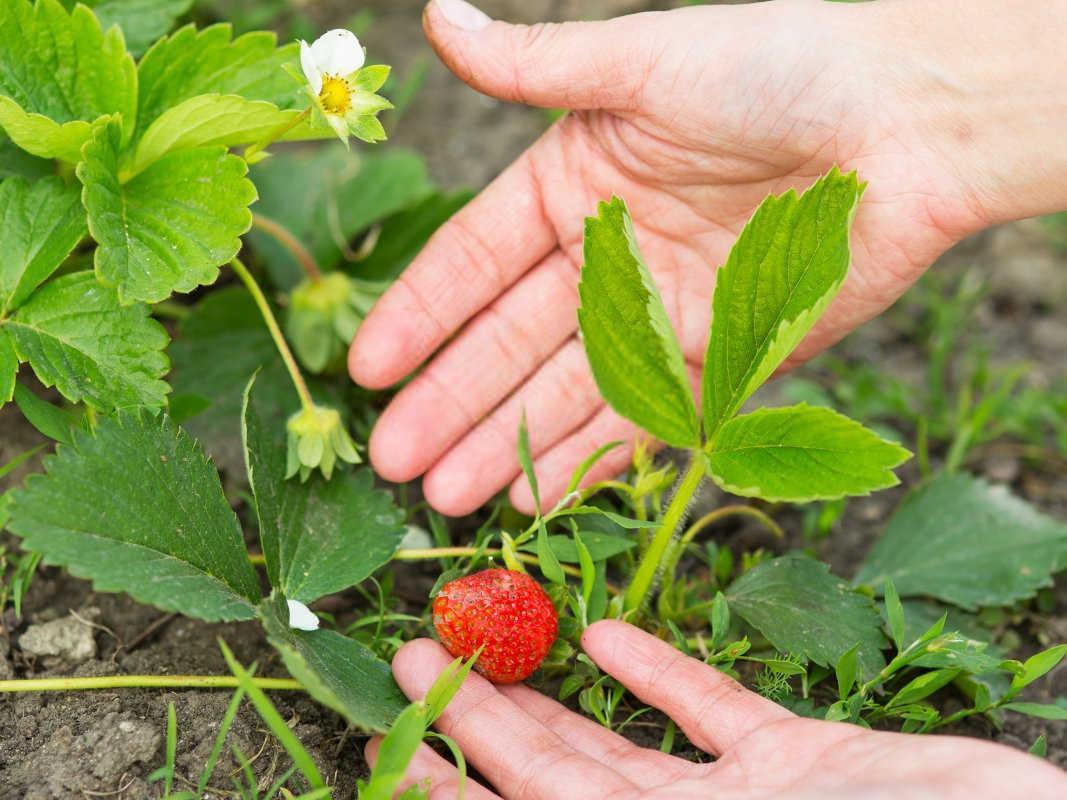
(275, 332)
(674, 516)
(286, 239)
(142, 682)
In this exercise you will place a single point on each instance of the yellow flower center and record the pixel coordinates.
(335, 95)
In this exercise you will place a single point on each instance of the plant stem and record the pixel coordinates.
(652, 560)
(252, 150)
(142, 682)
(286, 239)
(275, 332)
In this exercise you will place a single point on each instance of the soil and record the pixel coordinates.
(106, 744)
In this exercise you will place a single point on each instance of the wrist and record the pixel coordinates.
(984, 81)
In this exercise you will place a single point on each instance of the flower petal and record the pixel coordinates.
(301, 617)
(311, 71)
(338, 52)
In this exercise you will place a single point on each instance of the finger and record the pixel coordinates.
(575, 65)
(643, 767)
(557, 399)
(427, 768)
(497, 349)
(555, 467)
(474, 257)
(521, 757)
(713, 710)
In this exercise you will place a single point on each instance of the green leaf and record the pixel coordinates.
(189, 63)
(800, 454)
(923, 686)
(40, 223)
(142, 21)
(780, 276)
(170, 227)
(57, 424)
(803, 609)
(894, 614)
(9, 368)
(720, 620)
(601, 546)
(337, 671)
(1037, 666)
(318, 536)
(136, 507)
(965, 542)
(58, 73)
(17, 163)
(77, 337)
(631, 346)
(546, 557)
(526, 461)
(395, 753)
(1039, 710)
(846, 670)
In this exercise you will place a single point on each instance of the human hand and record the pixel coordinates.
(692, 116)
(530, 746)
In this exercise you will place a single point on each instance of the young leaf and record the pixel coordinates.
(894, 613)
(58, 424)
(804, 610)
(546, 557)
(846, 670)
(629, 341)
(1037, 666)
(526, 461)
(78, 338)
(9, 368)
(800, 454)
(337, 671)
(40, 223)
(395, 753)
(142, 21)
(136, 507)
(1039, 710)
(923, 686)
(319, 536)
(58, 73)
(583, 469)
(780, 276)
(169, 228)
(720, 619)
(965, 542)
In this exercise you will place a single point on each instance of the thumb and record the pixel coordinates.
(573, 65)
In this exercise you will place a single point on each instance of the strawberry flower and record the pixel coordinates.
(301, 617)
(344, 91)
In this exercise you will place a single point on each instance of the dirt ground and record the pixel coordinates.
(105, 744)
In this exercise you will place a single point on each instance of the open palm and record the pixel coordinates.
(531, 747)
(691, 116)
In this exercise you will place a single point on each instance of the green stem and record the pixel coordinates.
(286, 239)
(652, 560)
(252, 150)
(142, 682)
(275, 332)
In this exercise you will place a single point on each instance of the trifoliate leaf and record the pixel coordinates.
(631, 346)
(142, 21)
(77, 337)
(780, 276)
(170, 227)
(136, 507)
(9, 368)
(800, 454)
(189, 63)
(320, 536)
(337, 671)
(804, 610)
(963, 541)
(58, 73)
(40, 223)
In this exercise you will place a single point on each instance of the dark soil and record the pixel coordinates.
(105, 744)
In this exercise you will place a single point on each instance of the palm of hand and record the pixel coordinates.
(692, 164)
(531, 747)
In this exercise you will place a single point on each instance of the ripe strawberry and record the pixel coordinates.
(507, 611)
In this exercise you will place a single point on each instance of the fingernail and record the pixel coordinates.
(463, 15)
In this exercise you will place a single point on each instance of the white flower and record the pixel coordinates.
(330, 60)
(301, 617)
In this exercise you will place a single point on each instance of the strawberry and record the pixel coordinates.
(505, 610)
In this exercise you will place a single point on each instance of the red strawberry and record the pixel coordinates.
(508, 612)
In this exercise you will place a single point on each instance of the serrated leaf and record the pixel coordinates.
(58, 73)
(780, 276)
(9, 368)
(337, 671)
(630, 344)
(40, 223)
(804, 610)
(171, 227)
(77, 337)
(142, 21)
(319, 536)
(601, 546)
(136, 507)
(963, 541)
(189, 63)
(800, 454)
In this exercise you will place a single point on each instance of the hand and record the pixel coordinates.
(692, 116)
(530, 746)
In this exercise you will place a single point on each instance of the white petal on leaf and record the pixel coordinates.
(338, 52)
(301, 617)
(311, 70)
